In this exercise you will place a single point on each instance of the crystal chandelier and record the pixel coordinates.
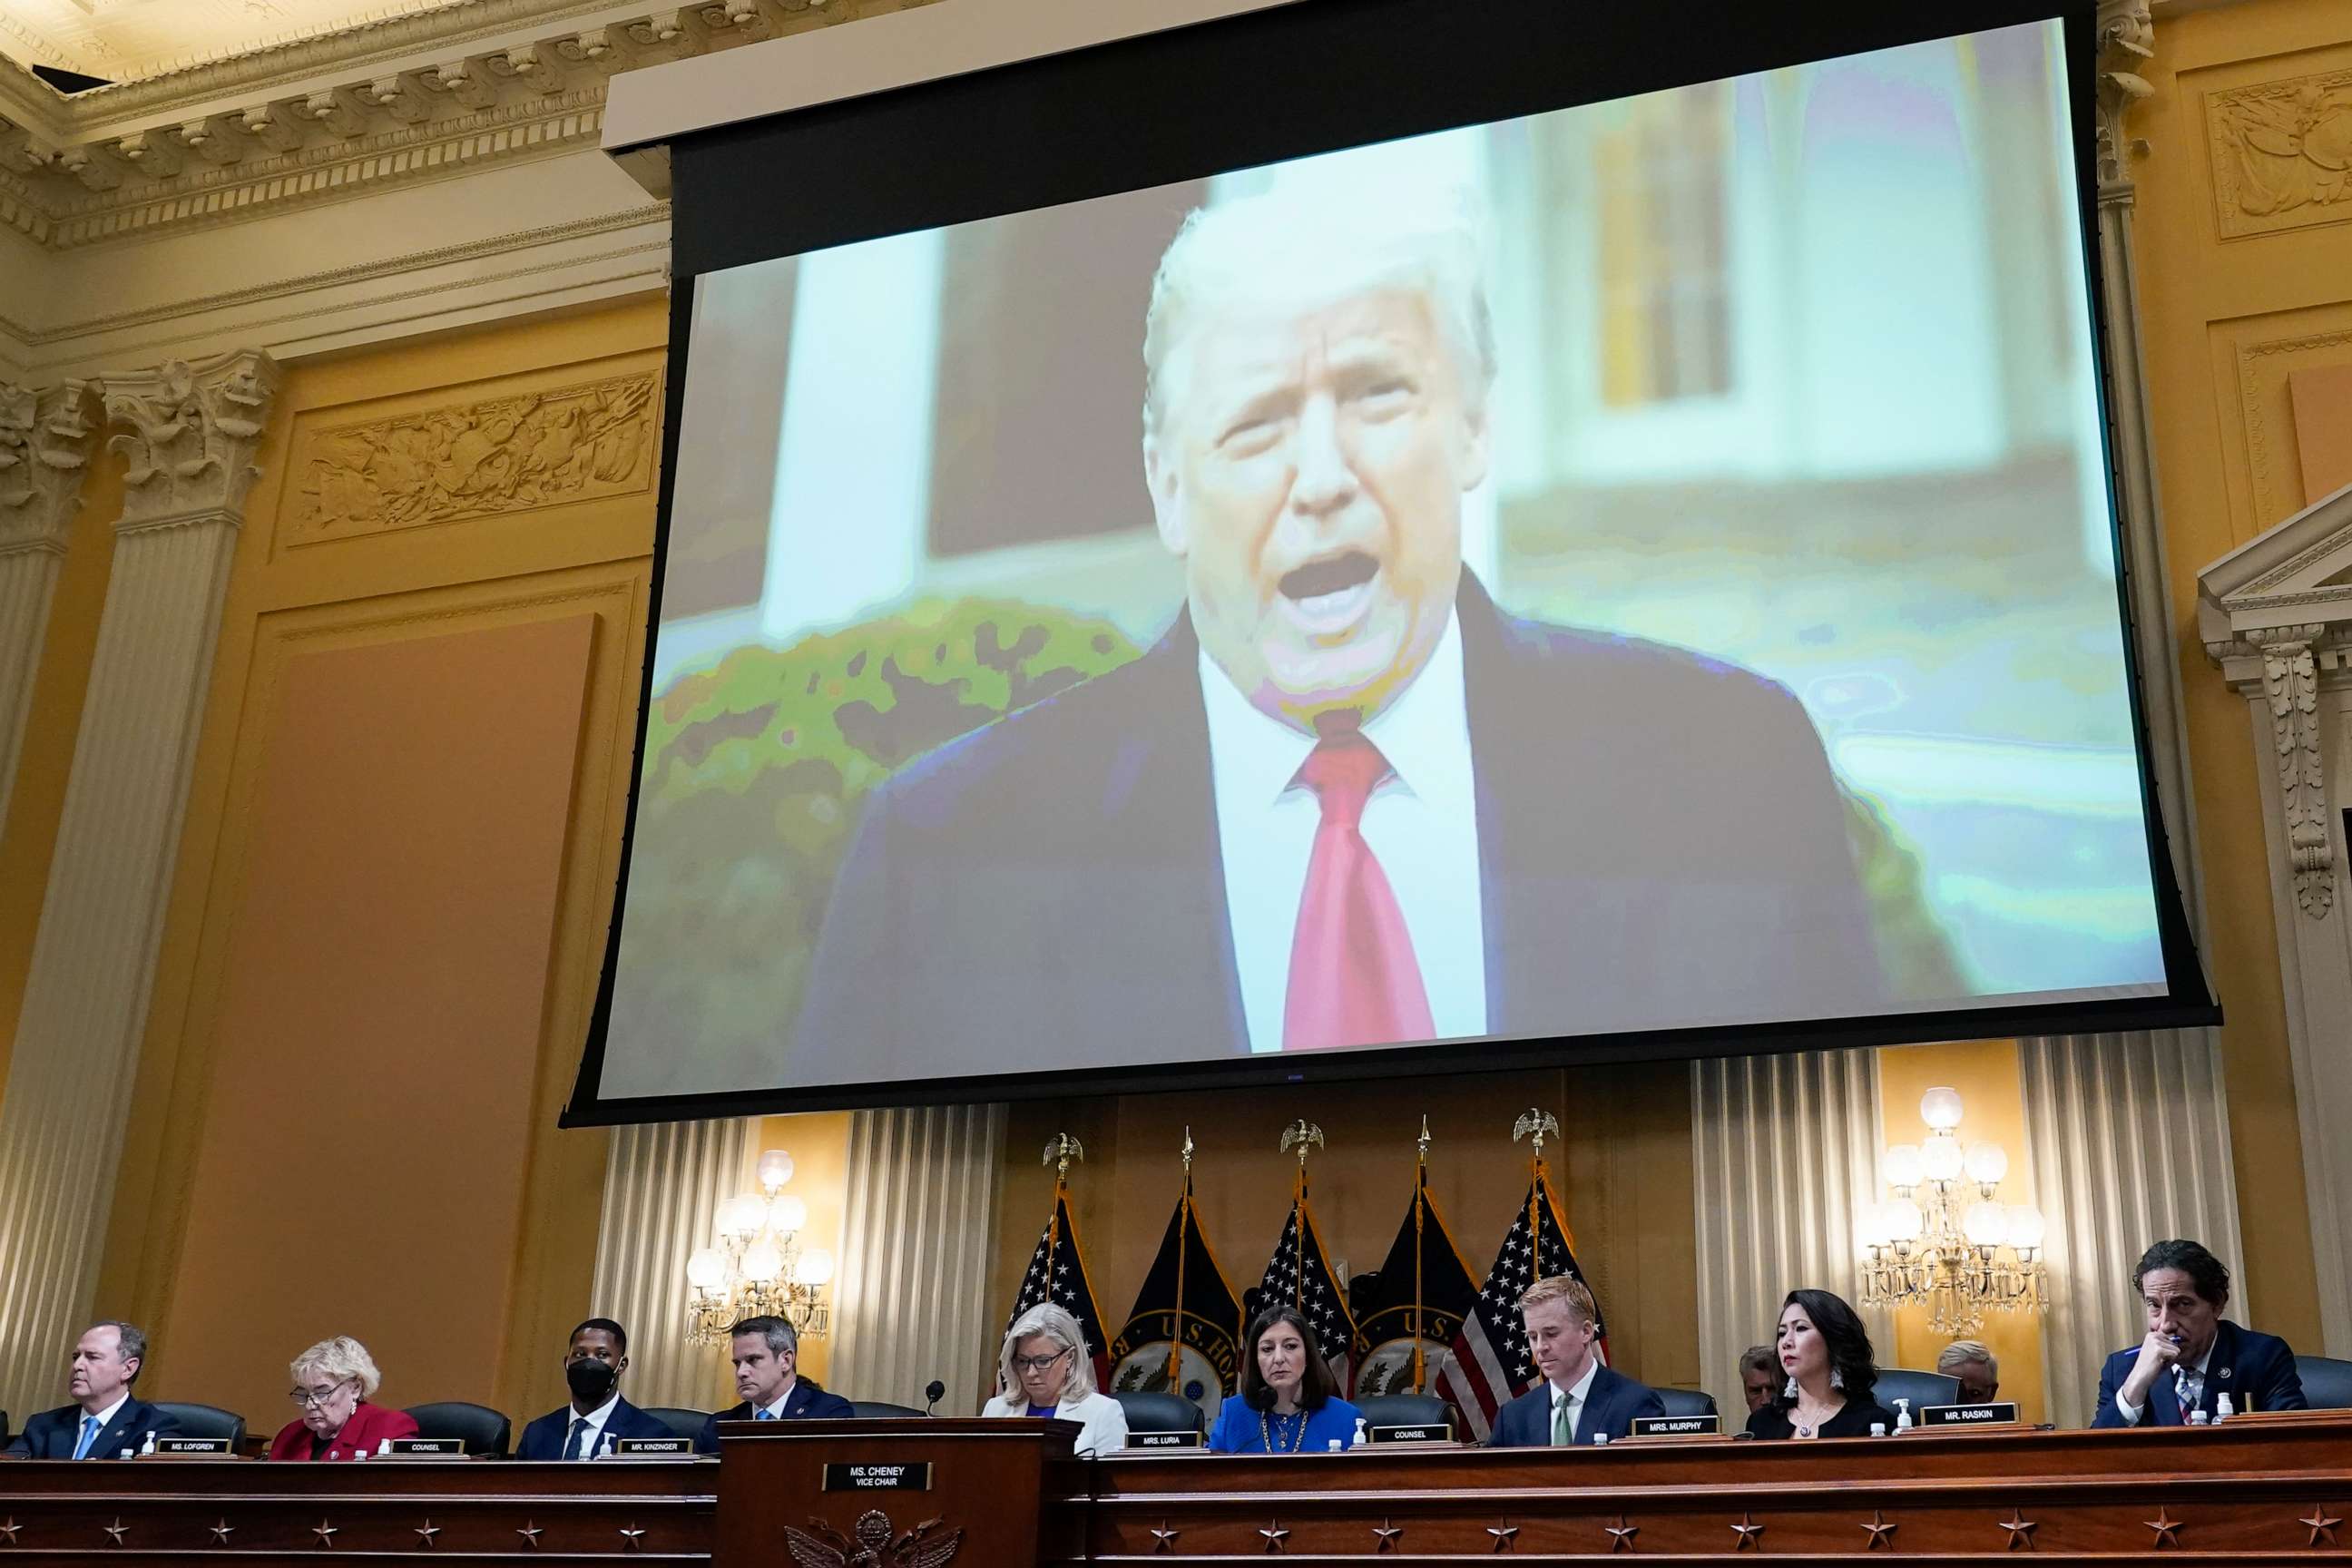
(1943, 1238)
(759, 1268)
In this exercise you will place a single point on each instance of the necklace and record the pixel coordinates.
(1270, 1433)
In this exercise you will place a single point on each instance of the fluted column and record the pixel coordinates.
(917, 1230)
(662, 1186)
(46, 439)
(1784, 1151)
(189, 433)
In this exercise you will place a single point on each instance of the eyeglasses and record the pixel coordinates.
(305, 1398)
(1038, 1362)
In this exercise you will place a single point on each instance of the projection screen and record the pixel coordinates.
(1633, 578)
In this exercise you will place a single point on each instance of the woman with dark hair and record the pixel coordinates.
(1289, 1401)
(1825, 1352)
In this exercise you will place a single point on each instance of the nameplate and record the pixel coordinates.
(653, 1448)
(425, 1448)
(2001, 1414)
(1412, 1432)
(879, 1477)
(1163, 1439)
(1677, 1426)
(193, 1448)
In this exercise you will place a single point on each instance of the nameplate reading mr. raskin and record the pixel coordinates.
(1677, 1426)
(2002, 1414)
(879, 1477)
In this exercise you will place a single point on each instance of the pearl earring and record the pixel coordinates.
(1837, 1378)
(1789, 1392)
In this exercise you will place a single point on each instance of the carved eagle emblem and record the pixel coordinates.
(870, 1543)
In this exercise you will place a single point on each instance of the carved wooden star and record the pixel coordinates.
(222, 1532)
(1164, 1539)
(2166, 1528)
(426, 1532)
(1747, 1529)
(1387, 1534)
(326, 1533)
(1620, 1534)
(2323, 1529)
(632, 1536)
(1506, 1536)
(2020, 1531)
(11, 1527)
(1275, 1536)
(532, 1533)
(1881, 1533)
(117, 1529)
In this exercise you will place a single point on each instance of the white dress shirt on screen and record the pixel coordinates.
(1422, 822)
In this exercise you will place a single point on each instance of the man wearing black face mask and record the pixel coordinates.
(592, 1368)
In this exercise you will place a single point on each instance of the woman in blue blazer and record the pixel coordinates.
(1289, 1401)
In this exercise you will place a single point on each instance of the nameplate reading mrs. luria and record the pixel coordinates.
(1677, 1426)
(2001, 1414)
(426, 1448)
(1412, 1432)
(1163, 1439)
(653, 1447)
(194, 1449)
(879, 1477)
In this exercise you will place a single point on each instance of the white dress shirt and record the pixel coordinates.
(595, 1419)
(105, 1419)
(1421, 822)
(1575, 1395)
(2185, 1382)
(776, 1410)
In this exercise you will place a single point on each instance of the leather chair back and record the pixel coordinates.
(681, 1422)
(873, 1409)
(206, 1421)
(1401, 1410)
(482, 1429)
(1921, 1388)
(1692, 1402)
(1149, 1410)
(2326, 1381)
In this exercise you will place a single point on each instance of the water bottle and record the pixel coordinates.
(1601, 1439)
(1878, 1428)
(2199, 1418)
(1332, 1447)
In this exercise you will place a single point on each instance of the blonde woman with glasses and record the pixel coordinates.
(1045, 1369)
(332, 1381)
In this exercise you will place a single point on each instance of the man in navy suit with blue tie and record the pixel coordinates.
(1345, 800)
(766, 1353)
(592, 1366)
(106, 1419)
(1579, 1397)
(2192, 1355)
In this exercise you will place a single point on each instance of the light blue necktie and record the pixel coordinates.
(765, 1414)
(89, 1435)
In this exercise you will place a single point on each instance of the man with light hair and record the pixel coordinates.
(1345, 800)
(1580, 1399)
(1973, 1364)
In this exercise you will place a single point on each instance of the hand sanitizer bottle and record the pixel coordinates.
(1903, 1415)
(2223, 1408)
(608, 1447)
(149, 1446)
(383, 1447)
(1361, 1436)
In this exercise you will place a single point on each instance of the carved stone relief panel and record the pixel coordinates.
(583, 441)
(2282, 153)
(2261, 367)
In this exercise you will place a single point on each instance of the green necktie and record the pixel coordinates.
(1561, 1435)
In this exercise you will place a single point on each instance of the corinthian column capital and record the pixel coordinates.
(188, 432)
(2126, 43)
(46, 440)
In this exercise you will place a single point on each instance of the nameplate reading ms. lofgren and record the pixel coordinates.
(2002, 1414)
(1677, 1426)
(879, 1477)
(194, 1449)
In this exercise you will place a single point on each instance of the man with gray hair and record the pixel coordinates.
(1971, 1362)
(1345, 800)
(765, 1352)
(105, 1420)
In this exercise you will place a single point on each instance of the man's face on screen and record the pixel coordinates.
(1308, 465)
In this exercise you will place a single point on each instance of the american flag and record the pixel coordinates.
(1299, 1275)
(1057, 1273)
(1491, 1363)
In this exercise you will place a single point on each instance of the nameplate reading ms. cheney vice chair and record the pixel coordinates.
(482, 1429)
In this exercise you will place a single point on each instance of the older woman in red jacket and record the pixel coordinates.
(332, 1381)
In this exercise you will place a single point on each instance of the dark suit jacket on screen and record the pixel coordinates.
(2256, 1371)
(806, 1402)
(54, 1433)
(543, 1439)
(1609, 1405)
(1660, 841)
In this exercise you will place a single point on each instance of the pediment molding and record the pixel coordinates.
(2297, 574)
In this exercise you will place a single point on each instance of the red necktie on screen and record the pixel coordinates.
(1354, 980)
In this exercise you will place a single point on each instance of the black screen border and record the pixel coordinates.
(1402, 77)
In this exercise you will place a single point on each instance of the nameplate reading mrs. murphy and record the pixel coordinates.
(1677, 1426)
(879, 1477)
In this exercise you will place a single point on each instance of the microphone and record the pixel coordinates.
(1262, 1400)
(933, 1391)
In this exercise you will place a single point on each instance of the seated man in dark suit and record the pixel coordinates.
(592, 1366)
(766, 1353)
(1579, 1397)
(2192, 1355)
(105, 1420)
(1345, 800)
